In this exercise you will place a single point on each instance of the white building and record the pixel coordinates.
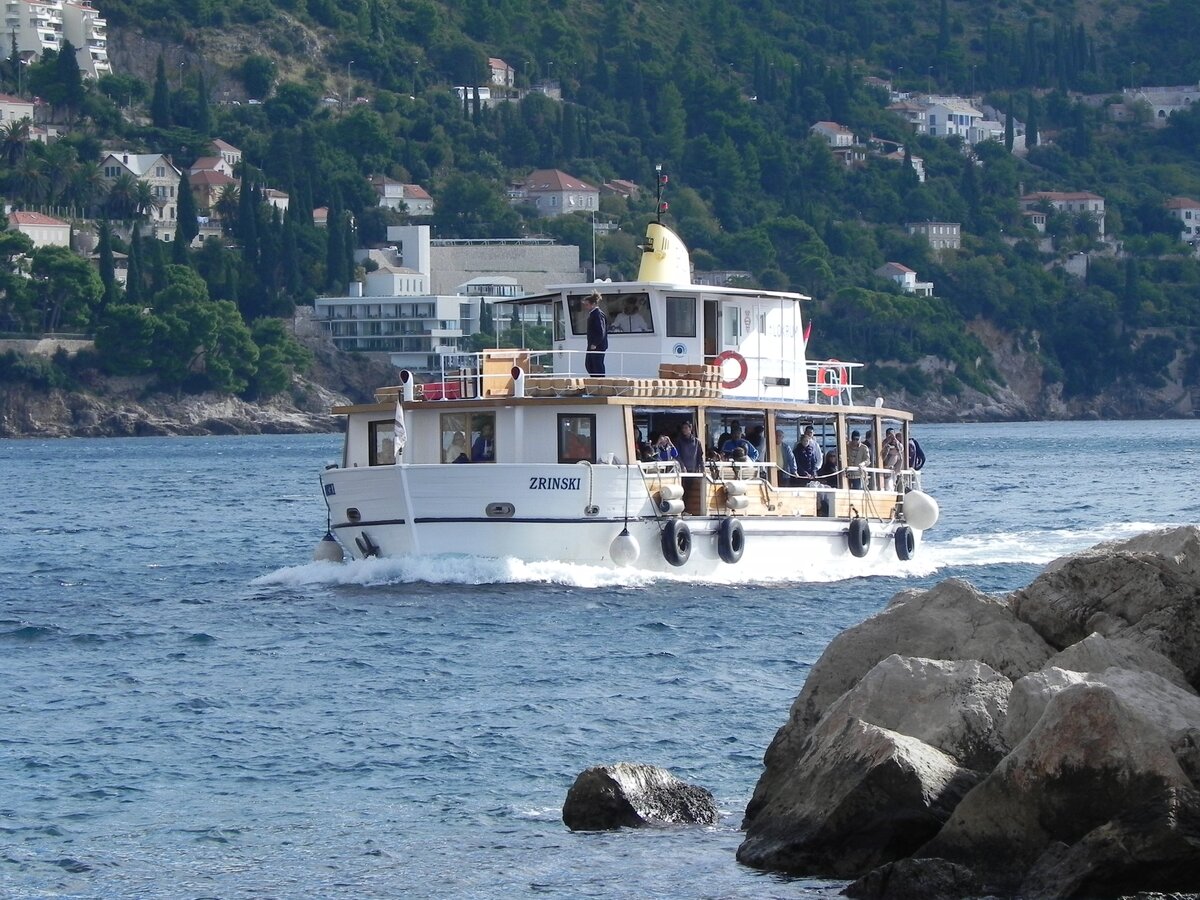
(834, 134)
(400, 309)
(1187, 211)
(906, 278)
(14, 109)
(160, 173)
(43, 230)
(503, 75)
(36, 26)
(1071, 202)
(947, 116)
(410, 198)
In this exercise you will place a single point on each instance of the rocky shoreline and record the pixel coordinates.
(1040, 745)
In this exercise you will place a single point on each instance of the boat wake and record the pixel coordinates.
(1036, 547)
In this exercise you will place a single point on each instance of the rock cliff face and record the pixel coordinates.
(127, 407)
(1042, 745)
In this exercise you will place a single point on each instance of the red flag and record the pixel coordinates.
(807, 332)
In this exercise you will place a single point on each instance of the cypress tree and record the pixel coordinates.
(336, 275)
(1031, 124)
(1008, 128)
(133, 279)
(203, 114)
(160, 102)
(186, 225)
(108, 276)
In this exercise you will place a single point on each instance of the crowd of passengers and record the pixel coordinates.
(804, 464)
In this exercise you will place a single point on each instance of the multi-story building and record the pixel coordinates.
(43, 230)
(553, 192)
(941, 235)
(403, 309)
(36, 26)
(947, 116)
(157, 171)
(410, 198)
(906, 278)
(1187, 211)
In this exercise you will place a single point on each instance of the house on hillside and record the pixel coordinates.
(833, 133)
(553, 192)
(156, 170)
(404, 197)
(620, 187)
(940, 235)
(1077, 203)
(207, 185)
(43, 230)
(906, 278)
(503, 75)
(947, 116)
(14, 109)
(917, 162)
(913, 113)
(228, 153)
(1187, 211)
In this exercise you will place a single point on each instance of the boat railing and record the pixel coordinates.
(492, 373)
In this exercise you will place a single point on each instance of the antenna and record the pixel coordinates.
(660, 180)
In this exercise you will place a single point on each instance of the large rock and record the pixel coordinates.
(1098, 752)
(631, 795)
(1146, 590)
(859, 796)
(915, 879)
(1095, 653)
(950, 621)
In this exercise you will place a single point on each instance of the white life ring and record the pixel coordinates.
(743, 369)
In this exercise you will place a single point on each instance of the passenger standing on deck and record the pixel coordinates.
(691, 451)
(808, 459)
(597, 334)
(857, 455)
(787, 461)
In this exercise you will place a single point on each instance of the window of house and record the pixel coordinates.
(381, 450)
(576, 438)
(681, 316)
(160, 171)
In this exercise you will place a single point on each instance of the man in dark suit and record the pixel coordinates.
(597, 334)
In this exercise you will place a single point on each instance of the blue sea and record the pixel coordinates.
(190, 708)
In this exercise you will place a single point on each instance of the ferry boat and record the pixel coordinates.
(524, 454)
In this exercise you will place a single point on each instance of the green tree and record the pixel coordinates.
(68, 288)
(187, 226)
(160, 102)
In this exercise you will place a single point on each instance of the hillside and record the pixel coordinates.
(723, 95)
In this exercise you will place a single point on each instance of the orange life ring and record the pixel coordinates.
(743, 369)
(832, 378)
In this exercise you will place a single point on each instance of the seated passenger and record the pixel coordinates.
(664, 450)
(457, 451)
(484, 448)
(737, 439)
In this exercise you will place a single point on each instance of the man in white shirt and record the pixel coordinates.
(630, 320)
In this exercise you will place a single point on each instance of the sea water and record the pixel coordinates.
(190, 708)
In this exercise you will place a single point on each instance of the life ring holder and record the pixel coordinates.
(832, 377)
(743, 369)
(676, 542)
(731, 540)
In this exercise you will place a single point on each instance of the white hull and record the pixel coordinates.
(550, 521)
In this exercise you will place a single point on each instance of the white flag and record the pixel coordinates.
(400, 433)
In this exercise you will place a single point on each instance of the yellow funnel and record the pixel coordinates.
(665, 259)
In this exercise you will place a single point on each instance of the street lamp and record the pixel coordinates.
(349, 81)
(929, 80)
(181, 65)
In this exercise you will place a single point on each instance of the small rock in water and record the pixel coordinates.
(632, 795)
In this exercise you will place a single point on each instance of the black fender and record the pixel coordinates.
(731, 540)
(676, 542)
(906, 543)
(858, 536)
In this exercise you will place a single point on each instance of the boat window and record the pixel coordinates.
(483, 437)
(456, 447)
(681, 317)
(560, 322)
(731, 317)
(381, 448)
(628, 314)
(576, 438)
